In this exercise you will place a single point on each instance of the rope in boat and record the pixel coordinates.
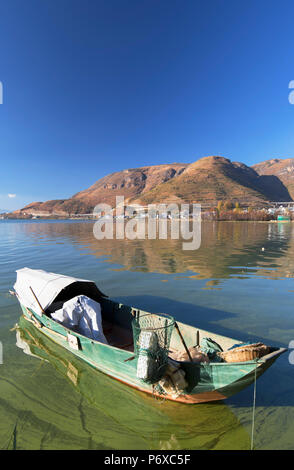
(253, 411)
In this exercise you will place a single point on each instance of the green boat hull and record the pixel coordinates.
(136, 419)
(206, 382)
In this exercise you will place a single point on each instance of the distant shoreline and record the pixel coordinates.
(54, 219)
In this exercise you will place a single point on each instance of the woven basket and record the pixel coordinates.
(245, 353)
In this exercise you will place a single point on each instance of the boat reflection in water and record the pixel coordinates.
(119, 417)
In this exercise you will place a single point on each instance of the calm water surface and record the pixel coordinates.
(239, 283)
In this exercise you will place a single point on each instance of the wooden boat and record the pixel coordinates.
(41, 293)
(127, 418)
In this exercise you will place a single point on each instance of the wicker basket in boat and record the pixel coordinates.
(245, 353)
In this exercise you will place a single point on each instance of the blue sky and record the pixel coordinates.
(91, 87)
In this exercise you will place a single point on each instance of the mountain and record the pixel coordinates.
(128, 183)
(280, 168)
(207, 180)
(215, 178)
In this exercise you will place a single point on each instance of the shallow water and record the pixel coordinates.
(239, 284)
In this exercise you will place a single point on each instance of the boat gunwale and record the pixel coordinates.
(261, 360)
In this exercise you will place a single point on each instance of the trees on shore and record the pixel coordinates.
(228, 210)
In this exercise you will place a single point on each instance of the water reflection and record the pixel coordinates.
(228, 250)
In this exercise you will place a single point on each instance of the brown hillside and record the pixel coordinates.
(207, 180)
(280, 168)
(216, 178)
(128, 183)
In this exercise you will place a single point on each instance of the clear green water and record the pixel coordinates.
(239, 283)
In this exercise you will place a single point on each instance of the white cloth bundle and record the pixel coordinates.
(84, 313)
(146, 365)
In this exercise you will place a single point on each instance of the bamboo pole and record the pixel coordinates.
(198, 338)
(43, 311)
(183, 341)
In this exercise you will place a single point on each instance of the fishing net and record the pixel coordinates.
(152, 334)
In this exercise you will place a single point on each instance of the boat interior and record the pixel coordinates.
(117, 321)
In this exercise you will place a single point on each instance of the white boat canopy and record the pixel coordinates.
(50, 287)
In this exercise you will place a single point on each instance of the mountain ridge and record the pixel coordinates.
(215, 178)
(281, 168)
(207, 180)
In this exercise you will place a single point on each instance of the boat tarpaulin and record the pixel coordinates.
(48, 287)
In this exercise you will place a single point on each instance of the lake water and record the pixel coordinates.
(239, 283)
